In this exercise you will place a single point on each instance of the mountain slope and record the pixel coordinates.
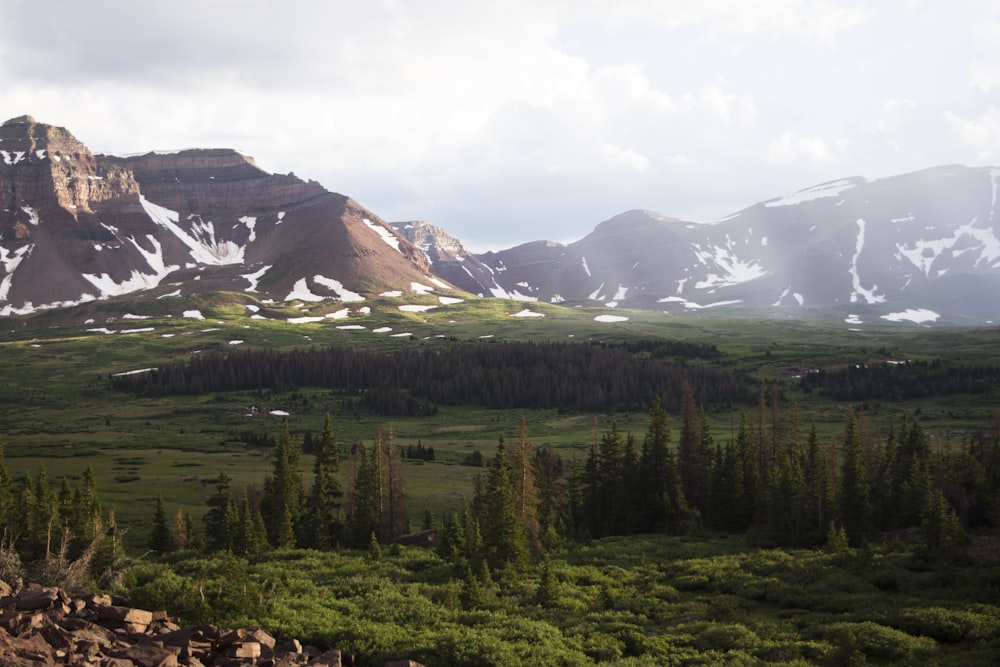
(926, 242)
(76, 227)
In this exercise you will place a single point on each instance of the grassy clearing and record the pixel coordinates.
(56, 409)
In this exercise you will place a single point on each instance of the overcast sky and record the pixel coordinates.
(519, 120)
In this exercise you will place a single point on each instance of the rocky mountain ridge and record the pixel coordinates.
(915, 247)
(78, 227)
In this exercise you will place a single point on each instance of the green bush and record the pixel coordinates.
(949, 625)
(727, 637)
(873, 639)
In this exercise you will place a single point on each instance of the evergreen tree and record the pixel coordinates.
(663, 507)
(855, 508)
(820, 505)
(323, 511)
(160, 538)
(363, 497)
(504, 541)
(220, 519)
(280, 505)
(526, 488)
(693, 457)
(942, 539)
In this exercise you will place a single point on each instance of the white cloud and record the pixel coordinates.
(506, 121)
(789, 148)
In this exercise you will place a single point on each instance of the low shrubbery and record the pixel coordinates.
(619, 601)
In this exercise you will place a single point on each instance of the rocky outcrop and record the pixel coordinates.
(42, 626)
(77, 227)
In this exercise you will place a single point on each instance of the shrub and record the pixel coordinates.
(877, 640)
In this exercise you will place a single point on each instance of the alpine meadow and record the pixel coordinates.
(313, 437)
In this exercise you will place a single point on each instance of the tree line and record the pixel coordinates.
(901, 381)
(587, 377)
(58, 532)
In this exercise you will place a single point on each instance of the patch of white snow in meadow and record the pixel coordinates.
(304, 320)
(351, 326)
(102, 330)
(400, 335)
(527, 313)
(134, 331)
(915, 315)
(610, 318)
(449, 300)
(853, 319)
(279, 413)
(130, 316)
(135, 372)
(341, 314)
(420, 288)
(193, 314)
(392, 294)
(235, 342)
(415, 308)
(382, 330)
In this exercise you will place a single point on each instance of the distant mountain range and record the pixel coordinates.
(77, 227)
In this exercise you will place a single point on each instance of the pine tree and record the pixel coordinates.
(160, 539)
(942, 539)
(504, 541)
(692, 456)
(323, 510)
(220, 517)
(393, 520)
(855, 508)
(663, 507)
(363, 497)
(280, 505)
(526, 488)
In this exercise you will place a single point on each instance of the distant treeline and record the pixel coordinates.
(901, 381)
(585, 377)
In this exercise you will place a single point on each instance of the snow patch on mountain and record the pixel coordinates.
(345, 294)
(915, 315)
(251, 225)
(254, 278)
(10, 259)
(732, 269)
(391, 239)
(583, 262)
(832, 189)
(32, 215)
(205, 249)
(860, 293)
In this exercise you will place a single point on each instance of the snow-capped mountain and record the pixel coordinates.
(77, 227)
(917, 246)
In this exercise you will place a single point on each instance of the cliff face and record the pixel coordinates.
(76, 227)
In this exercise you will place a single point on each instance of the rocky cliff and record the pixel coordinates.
(76, 227)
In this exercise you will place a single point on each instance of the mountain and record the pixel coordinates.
(918, 247)
(77, 227)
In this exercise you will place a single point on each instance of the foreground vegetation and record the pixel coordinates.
(804, 501)
(651, 600)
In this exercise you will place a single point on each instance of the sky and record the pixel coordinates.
(511, 121)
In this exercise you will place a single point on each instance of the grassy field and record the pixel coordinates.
(57, 410)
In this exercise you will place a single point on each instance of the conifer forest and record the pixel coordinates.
(708, 515)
